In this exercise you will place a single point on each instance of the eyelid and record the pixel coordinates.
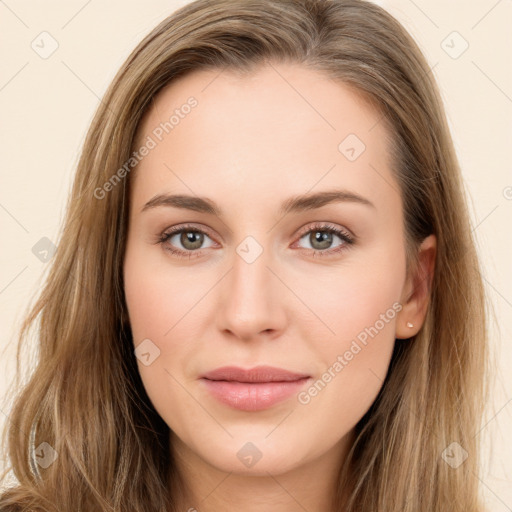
(187, 226)
(325, 225)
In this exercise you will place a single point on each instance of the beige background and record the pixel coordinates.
(47, 104)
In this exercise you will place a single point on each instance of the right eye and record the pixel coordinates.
(191, 239)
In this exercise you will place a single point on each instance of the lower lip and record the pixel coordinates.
(247, 396)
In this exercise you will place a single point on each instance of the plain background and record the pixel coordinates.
(47, 104)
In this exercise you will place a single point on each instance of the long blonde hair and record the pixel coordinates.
(85, 397)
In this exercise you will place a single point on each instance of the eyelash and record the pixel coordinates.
(348, 240)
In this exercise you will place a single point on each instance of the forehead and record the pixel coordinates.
(282, 126)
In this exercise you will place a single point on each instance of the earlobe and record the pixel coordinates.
(417, 291)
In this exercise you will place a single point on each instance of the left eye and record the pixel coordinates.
(322, 239)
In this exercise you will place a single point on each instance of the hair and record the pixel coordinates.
(85, 397)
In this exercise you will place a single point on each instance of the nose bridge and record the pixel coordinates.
(248, 301)
(250, 277)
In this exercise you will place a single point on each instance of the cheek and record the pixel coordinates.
(158, 304)
(350, 299)
(360, 307)
(148, 304)
(163, 307)
(157, 299)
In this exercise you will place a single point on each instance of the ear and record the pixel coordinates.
(416, 292)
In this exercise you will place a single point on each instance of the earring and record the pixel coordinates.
(410, 325)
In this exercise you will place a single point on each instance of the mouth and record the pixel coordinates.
(255, 389)
(259, 374)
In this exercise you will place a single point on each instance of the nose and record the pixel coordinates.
(251, 298)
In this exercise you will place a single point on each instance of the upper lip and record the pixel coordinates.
(257, 374)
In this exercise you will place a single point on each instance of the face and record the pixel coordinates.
(294, 258)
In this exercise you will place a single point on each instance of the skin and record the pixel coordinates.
(251, 143)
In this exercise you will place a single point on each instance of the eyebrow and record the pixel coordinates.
(294, 204)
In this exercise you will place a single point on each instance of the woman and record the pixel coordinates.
(194, 354)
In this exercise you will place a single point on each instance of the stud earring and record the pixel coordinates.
(410, 325)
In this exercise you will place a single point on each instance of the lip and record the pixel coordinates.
(254, 389)
(253, 375)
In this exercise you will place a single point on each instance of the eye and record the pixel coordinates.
(321, 237)
(189, 237)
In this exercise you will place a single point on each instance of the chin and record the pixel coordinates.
(252, 457)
